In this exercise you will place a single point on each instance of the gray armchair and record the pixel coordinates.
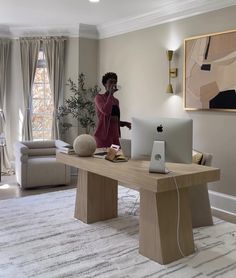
(36, 165)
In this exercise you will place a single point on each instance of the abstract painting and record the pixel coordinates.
(210, 72)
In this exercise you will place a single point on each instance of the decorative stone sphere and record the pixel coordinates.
(84, 145)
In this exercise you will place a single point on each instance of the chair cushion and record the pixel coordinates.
(45, 170)
(41, 151)
(39, 144)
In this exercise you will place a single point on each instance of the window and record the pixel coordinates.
(42, 102)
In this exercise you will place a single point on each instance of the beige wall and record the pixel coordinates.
(88, 62)
(81, 57)
(139, 59)
(71, 59)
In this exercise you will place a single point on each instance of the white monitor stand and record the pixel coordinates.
(157, 163)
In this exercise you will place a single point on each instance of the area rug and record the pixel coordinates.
(40, 238)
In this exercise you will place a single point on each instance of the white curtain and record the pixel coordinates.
(5, 45)
(29, 48)
(54, 49)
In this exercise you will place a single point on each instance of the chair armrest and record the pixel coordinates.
(21, 152)
(20, 148)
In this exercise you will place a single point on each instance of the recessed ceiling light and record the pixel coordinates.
(94, 1)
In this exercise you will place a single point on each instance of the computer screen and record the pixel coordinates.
(175, 132)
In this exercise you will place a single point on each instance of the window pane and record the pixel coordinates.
(46, 75)
(41, 64)
(38, 106)
(38, 135)
(47, 134)
(39, 75)
(41, 55)
(37, 122)
(38, 91)
(48, 93)
(42, 101)
(49, 105)
(48, 122)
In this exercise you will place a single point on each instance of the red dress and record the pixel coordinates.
(108, 127)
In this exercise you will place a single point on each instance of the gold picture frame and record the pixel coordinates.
(210, 72)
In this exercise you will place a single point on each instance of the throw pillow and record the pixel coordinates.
(197, 157)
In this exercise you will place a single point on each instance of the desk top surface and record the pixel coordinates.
(135, 172)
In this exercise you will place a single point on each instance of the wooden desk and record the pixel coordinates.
(96, 200)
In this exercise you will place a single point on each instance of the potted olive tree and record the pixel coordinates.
(80, 105)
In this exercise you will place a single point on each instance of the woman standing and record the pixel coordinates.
(108, 112)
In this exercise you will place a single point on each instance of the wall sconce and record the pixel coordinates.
(173, 72)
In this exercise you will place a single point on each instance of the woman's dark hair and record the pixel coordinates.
(107, 76)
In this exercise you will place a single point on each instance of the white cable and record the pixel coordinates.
(178, 218)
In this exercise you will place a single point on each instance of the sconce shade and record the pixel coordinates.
(169, 54)
(169, 89)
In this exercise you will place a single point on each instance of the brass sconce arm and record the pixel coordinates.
(173, 72)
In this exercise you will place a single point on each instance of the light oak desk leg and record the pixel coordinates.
(200, 206)
(96, 197)
(158, 226)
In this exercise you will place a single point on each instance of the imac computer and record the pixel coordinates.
(174, 134)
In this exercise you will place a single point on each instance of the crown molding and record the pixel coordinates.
(4, 31)
(88, 31)
(167, 13)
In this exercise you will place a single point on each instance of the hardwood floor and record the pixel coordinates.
(10, 189)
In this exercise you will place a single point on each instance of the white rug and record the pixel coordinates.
(40, 238)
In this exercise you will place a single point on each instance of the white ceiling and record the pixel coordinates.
(110, 17)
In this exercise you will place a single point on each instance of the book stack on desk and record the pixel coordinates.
(100, 154)
(67, 149)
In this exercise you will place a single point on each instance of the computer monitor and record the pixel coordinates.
(175, 132)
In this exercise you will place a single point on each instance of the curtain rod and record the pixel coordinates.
(43, 38)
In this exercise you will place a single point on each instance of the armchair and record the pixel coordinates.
(36, 165)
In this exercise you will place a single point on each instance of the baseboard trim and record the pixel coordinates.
(223, 204)
(224, 215)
